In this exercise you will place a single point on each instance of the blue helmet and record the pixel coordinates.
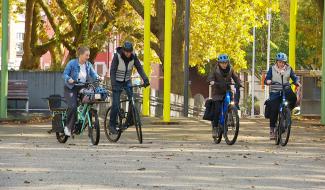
(281, 57)
(223, 58)
(128, 46)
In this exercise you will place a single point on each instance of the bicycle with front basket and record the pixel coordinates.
(87, 116)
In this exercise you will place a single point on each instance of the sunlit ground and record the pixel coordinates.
(172, 157)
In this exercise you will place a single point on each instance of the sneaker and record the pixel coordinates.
(67, 132)
(112, 130)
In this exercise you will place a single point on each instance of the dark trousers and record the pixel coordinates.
(218, 105)
(117, 90)
(275, 106)
(71, 96)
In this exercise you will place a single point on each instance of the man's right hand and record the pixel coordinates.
(71, 81)
(211, 82)
(268, 82)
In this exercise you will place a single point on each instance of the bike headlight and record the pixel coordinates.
(286, 103)
(232, 103)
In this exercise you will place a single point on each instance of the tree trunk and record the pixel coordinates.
(27, 56)
(31, 56)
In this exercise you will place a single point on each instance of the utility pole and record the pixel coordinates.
(186, 56)
(253, 74)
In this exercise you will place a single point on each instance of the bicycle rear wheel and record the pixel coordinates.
(137, 123)
(231, 129)
(93, 127)
(57, 125)
(285, 127)
(112, 137)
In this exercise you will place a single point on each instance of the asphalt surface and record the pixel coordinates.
(180, 156)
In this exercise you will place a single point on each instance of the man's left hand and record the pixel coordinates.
(146, 83)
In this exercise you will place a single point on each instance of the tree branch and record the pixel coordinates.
(68, 14)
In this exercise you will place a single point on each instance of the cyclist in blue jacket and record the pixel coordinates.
(77, 70)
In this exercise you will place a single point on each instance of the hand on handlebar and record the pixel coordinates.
(146, 83)
(71, 81)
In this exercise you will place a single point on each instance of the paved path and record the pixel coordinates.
(172, 157)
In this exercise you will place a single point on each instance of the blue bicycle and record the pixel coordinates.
(283, 127)
(228, 125)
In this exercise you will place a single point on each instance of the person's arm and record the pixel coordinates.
(67, 71)
(294, 77)
(268, 76)
(113, 70)
(139, 68)
(211, 77)
(235, 77)
(93, 73)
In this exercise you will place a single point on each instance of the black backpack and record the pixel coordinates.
(267, 111)
(209, 113)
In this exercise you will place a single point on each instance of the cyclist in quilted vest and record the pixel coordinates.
(280, 68)
(121, 70)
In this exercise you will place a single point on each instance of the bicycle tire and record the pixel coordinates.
(138, 124)
(286, 127)
(276, 130)
(110, 137)
(232, 113)
(94, 131)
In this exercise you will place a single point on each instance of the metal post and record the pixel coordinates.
(292, 35)
(167, 58)
(186, 56)
(253, 74)
(323, 75)
(269, 18)
(4, 60)
(146, 91)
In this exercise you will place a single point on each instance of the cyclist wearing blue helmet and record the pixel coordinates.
(121, 70)
(221, 74)
(274, 74)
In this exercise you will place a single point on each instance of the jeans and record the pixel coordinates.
(71, 96)
(117, 90)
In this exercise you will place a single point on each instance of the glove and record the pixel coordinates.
(146, 83)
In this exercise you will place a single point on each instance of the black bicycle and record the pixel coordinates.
(125, 119)
(283, 127)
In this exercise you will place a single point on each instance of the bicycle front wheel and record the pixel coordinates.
(137, 123)
(231, 129)
(93, 127)
(285, 127)
(112, 137)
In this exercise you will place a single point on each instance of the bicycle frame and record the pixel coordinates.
(224, 108)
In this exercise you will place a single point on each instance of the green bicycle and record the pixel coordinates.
(87, 116)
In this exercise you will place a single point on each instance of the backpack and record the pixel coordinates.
(209, 112)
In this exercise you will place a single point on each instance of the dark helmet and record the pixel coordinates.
(128, 46)
(281, 57)
(223, 58)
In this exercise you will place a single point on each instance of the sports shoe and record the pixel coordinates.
(67, 132)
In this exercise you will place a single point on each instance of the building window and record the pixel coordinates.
(19, 48)
(20, 36)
